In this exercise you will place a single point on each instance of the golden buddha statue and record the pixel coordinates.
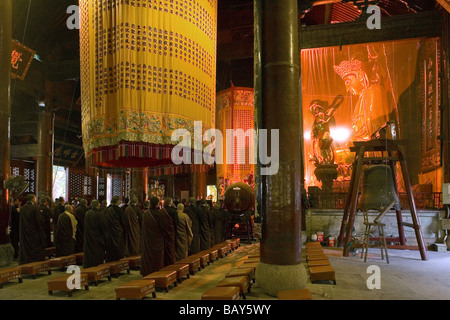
(371, 111)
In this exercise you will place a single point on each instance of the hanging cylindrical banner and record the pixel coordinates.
(235, 114)
(147, 69)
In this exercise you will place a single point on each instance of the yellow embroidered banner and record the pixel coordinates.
(147, 68)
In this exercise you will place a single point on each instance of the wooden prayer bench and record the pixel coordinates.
(193, 262)
(213, 254)
(97, 273)
(238, 281)
(249, 265)
(136, 289)
(313, 245)
(60, 283)
(234, 243)
(181, 269)
(133, 261)
(251, 260)
(223, 249)
(318, 263)
(322, 273)
(314, 250)
(254, 255)
(9, 274)
(34, 268)
(222, 293)
(163, 279)
(63, 262)
(116, 267)
(296, 294)
(248, 272)
(204, 258)
(50, 252)
(313, 257)
(244, 270)
(79, 258)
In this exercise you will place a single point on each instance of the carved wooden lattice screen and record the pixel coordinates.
(81, 185)
(28, 171)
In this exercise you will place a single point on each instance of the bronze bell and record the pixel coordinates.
(378, 190)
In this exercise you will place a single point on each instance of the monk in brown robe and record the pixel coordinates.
(133, 233)
(184, 233)
(155, 227)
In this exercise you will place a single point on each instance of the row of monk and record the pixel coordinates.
(162, 235)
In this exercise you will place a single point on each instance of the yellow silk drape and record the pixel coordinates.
(147, 68)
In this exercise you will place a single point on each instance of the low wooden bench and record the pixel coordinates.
(313, 257)
(63, 262)
(317, 263)
(193, 262)
(117, 267)
(9, 274)
(97, 273)
(223, 249)
(251, 260)
(313, 244)
(79, 258)
(314, 250)
(295, 294)
(34, 268)
(241, 282)
(204, 258)
(60, 283)
(181, 269)
(234, 243)
(322, 273)
(213, 254)
(163, 279)
(239, 272)
(249, 265)
(136, 289)
(50, 252)
(134, 262)
(222, 293)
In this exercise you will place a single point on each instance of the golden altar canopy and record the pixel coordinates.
(147, 69)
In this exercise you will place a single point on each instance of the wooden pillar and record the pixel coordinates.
(139, 183)
(170, 190)
(44, 163)
(6, 250)
(280, 267)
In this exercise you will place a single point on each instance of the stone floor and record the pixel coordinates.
(406, 277)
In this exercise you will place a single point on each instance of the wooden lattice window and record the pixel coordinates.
(101, 191)
(76, 184)
(27, 170)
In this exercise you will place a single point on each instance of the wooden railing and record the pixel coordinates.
(336, 200)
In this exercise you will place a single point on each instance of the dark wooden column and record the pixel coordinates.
(280, 267)
(5, 112)
(139, 182)
(45, 151)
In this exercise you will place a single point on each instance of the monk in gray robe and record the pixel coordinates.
(193, 212)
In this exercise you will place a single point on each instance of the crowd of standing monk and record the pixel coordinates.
(161, 232)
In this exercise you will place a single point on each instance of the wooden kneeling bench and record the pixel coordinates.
(79, 258)
(193, 262)
(296, 294)
(322, 273)
(9, 274)
(34, 268)
(163, 279)
(313, 245)
(97, 273)
(316, 257)
(60, 283)
(204, 258)
(222, 293)
(136, 289)
(213, 254)
(317, 263)
(181, 269)
(248, 272)
(63, 262)
(116, 267)
(133, 261)
(241, 282)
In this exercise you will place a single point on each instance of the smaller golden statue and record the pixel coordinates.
(323, 152)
